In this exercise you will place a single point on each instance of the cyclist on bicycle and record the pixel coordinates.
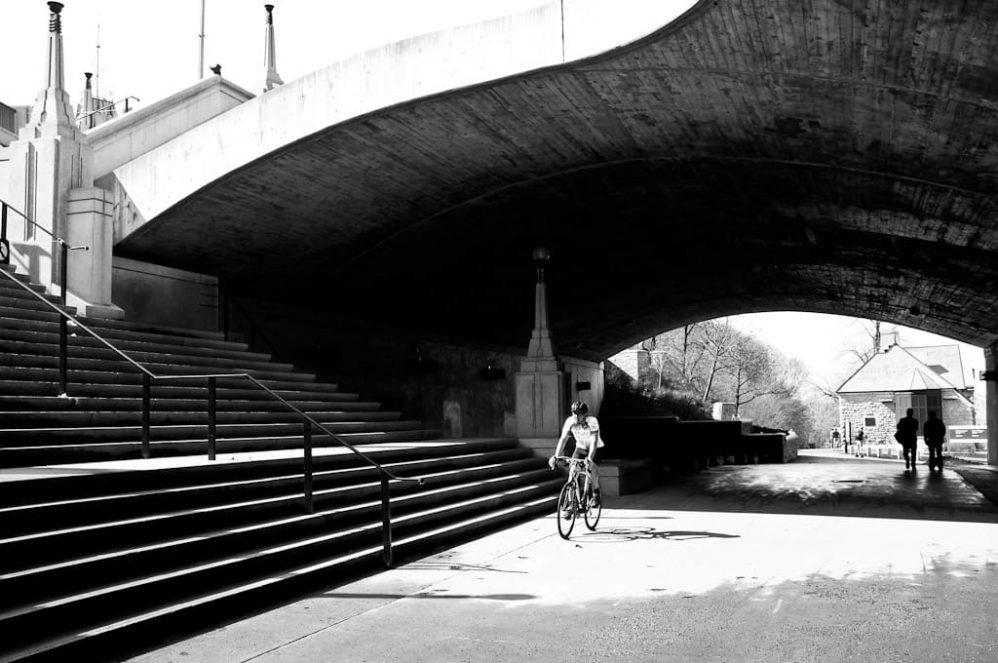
(585, 430)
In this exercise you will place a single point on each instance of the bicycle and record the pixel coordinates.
(575, 496)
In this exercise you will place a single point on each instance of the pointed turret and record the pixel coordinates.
(273, 79)
(52, 112)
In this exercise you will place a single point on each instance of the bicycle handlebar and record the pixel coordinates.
(571, 460)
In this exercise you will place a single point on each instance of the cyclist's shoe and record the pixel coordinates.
(596, 499)
(566, 514)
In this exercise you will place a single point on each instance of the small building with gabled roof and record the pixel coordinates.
(921, 378)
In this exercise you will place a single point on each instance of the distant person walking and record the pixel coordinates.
(934, 431)
(907, 435)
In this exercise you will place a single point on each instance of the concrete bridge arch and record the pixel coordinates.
(749, 156)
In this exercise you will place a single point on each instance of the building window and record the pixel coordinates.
(870, 422)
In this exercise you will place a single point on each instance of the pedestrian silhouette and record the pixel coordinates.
(934, 431)
(907, 435)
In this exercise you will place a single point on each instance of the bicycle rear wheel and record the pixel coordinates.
(593, 512)
(567, 511)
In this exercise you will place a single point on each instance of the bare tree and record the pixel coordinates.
(864, 354)
(719, 341)
(755, 370)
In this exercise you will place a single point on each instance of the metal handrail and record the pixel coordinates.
(31, 221)
(64, 247)
(106, 106)
(148, 376)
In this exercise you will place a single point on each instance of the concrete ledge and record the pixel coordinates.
(542, 447)
(621, 477)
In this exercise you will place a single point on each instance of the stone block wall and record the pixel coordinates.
(633, 361)
(463, 388)
(857, 408)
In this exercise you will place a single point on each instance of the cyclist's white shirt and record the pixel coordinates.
(583, 433)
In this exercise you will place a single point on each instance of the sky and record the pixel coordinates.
(151, 49)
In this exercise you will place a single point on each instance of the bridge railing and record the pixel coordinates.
(84, 121)
(310, 424)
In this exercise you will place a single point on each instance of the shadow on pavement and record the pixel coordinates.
(814, 485)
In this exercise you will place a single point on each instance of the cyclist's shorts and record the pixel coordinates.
(583, 453)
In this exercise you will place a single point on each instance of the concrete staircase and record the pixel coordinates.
(103, 553)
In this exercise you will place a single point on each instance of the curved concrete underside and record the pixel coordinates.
(754, 155)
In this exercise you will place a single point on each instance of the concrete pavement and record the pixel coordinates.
(824, 559)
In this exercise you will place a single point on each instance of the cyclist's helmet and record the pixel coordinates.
(580, 407)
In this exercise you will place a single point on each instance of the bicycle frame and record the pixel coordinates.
(577, 468)
(575, 498)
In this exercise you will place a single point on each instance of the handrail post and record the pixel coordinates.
(4, 244)
(225, 313)
(212, 418)
(307, 444)
(386, 522)
(146, 389)
(63, 356)
(65, 273)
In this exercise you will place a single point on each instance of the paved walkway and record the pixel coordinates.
(825, 559)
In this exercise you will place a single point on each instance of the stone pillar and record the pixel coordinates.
(541, 383)
(635, 362)
(48, 159)
(271, 78)
(990, 385)
(91, 234)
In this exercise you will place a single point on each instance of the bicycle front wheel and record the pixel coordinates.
(567, 511)
(593, 511)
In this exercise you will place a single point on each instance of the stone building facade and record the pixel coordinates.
(924, 379)
(875, 413)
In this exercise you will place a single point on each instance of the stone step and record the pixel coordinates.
(82, 390)
(71, 418)
(21, 361)
(93, 480)
(126, 343)
(133, 377)
(48, 323)
(57, 404)
(89, 348)
(103, 451)
(320, 562)
(11, 289)
(20, 520)
(11, 300)
(344, 506)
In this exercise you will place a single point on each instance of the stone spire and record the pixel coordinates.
(541, 384)
(540, 340)
(52, 113)
(273, 79)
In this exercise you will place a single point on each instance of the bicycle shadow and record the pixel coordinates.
(625, 534)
